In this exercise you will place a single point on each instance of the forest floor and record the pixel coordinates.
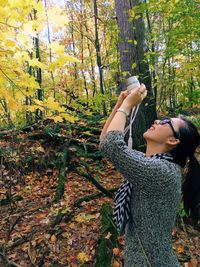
(37, 231)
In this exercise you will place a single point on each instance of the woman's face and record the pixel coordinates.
(161, 131)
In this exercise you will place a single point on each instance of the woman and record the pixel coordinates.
(156, 178)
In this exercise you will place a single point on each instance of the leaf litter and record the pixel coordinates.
(27, 237)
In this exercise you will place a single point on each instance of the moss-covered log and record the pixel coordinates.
(10, 199)
(62, 175)
(107, 240)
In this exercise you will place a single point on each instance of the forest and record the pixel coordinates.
(63, 65)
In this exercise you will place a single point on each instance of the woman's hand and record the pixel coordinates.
(134, 97)
(121, 98)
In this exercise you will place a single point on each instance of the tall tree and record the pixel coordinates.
(98, 54)
(132, 57)
(38, 114)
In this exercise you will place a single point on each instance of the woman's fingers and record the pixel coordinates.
(142, 88)
(121, 97)
(143, 91)
(124, 94)
(133, 97)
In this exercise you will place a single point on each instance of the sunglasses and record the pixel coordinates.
(168, 121)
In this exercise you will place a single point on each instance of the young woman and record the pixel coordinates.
(156, 179)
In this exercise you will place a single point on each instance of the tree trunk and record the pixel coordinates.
(7, 113)
(132, 51)
(152, 45)
(29, 117)
(73, 46)
(50, 52)
(38, 113)
(98, 54)
(92, 73)
(82, 55)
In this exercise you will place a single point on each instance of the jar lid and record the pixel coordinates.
(131, 80)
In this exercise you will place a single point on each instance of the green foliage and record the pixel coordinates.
(173, 55)
(181, 212)
(52, 131)
(195, 119)
(69, 74)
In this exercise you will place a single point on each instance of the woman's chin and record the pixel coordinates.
(148, 135)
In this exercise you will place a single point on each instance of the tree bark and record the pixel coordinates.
(50, 52)
(38, 114)
(92, 73)
(82, 54)
(132, 51)
(98, 54)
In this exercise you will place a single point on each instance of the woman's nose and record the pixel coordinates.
(156, 122)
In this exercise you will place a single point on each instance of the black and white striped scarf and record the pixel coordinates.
(122, 201)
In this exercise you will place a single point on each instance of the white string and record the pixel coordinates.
(132, 118)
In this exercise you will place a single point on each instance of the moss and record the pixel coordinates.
(107, 240)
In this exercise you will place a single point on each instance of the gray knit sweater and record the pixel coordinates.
(155, 200)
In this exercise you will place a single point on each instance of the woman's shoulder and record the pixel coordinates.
(174, 167)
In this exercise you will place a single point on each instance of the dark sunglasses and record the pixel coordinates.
(168, 121)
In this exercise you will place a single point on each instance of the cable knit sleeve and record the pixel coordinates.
(133, 164)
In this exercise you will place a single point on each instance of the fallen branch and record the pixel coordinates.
(21, 240)
(91, 197)
(8, 262)
(13, 225)
(69, 215)
(10, 199)
(91, 179)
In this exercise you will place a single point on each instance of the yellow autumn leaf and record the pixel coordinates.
(21, 56)
(53, 238)
(25, 41)
(10, 44)
(87, 133)
(132, 13)
(14, 105)
(116, 251)
(61, 109)
(57, 118)
(30, 28)
(38, 102)
(115, 263)
(61, 61)
(27, 82)
(83, 257)
(71, 59)
(36, 63)
(69, 118)
(57, 18)
(39, 6)
(34, 108)
(31, 108)
(52, 104)
(82, 217)
(56, 47)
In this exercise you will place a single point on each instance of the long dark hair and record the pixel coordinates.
(184, 153)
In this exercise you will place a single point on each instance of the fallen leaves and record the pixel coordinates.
(108, 236)
(116, 251)
(116, 264)
(53, 239)
(83, 257)
(83, 217)
(72, 242)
